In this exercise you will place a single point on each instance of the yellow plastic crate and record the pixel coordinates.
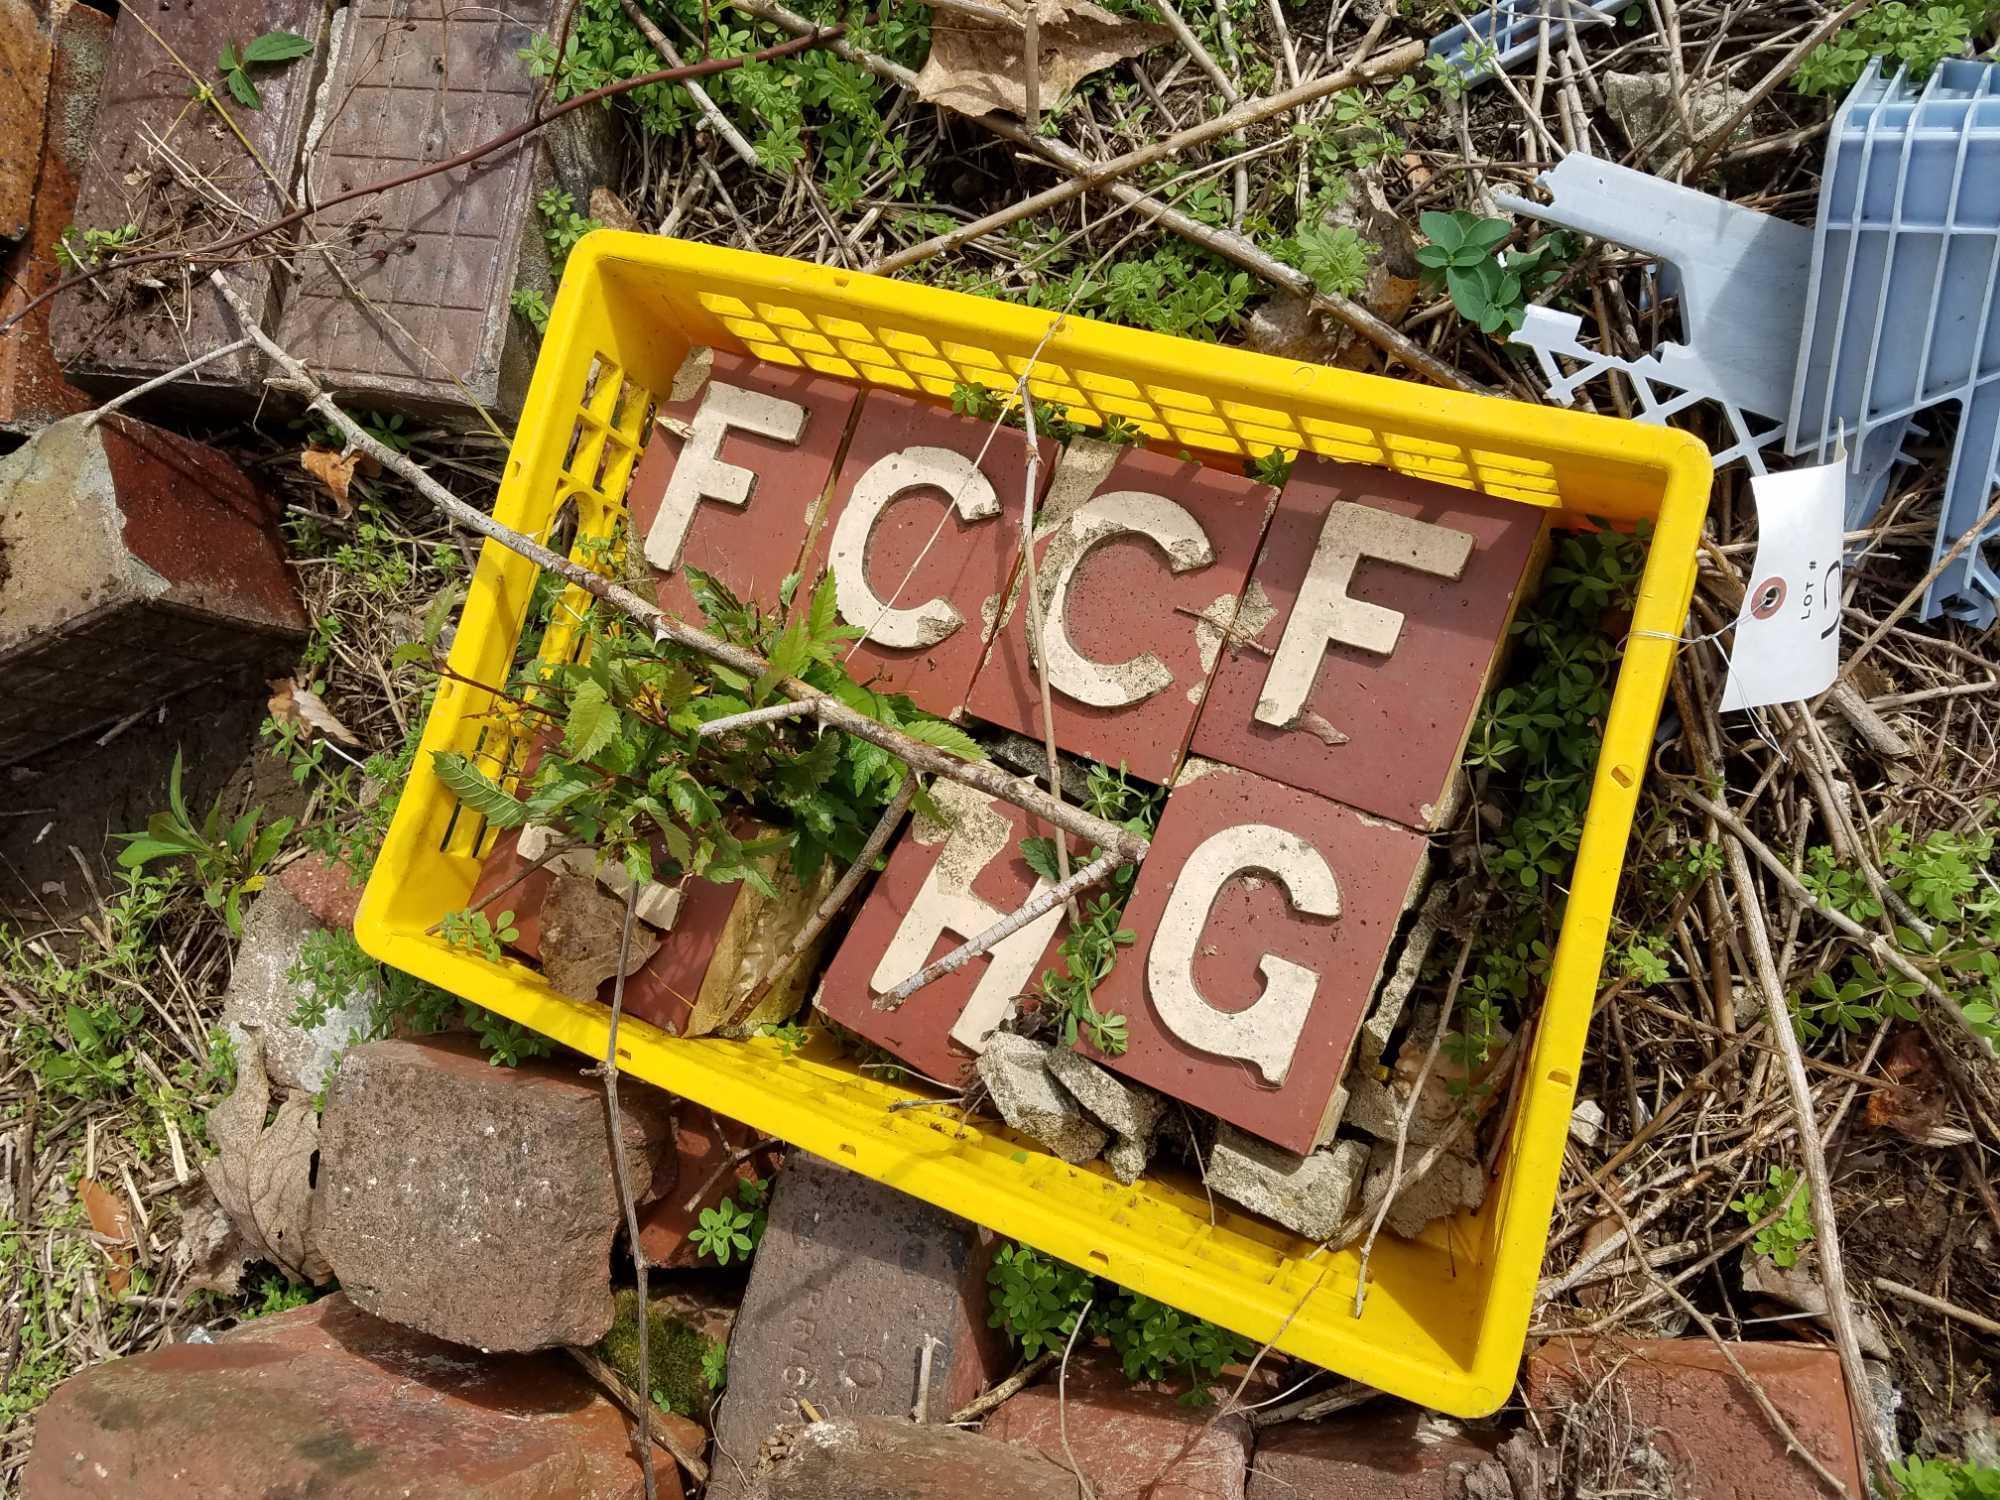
(1447, 1315)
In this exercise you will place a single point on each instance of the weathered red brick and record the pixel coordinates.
(940, 568)
(1132, 1443)
(324, 887)
(851, 1279)
(1263, 1050)
(118, 330)
(877, 1458)
(944, 885)
(1401, 1453)
(134, 565)
(749, 548)
(477, 1202)
(703, 1143)
(1381, 732)
(1680, 1398)
(33, 392)
(326, 1400)
(24, 92)
(1140, 585)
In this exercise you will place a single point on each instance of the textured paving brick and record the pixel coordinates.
(1270, 912)
(117, 330)
(851, 1278)
(328, 1401)
(414, 82)
(476, 1202)
(137, 565)
(1372, 1454)
(33, 392)
(1376, 716)
(1140, 585)
(941, 887)
(930, 536)
(1680, 1398)
(741, 508)
(1132, 1443)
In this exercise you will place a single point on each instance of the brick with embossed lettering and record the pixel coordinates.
(851, 1280)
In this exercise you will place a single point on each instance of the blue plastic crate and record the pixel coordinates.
(1901, 314)
(1513, 28)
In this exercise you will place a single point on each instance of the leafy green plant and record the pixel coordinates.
(275, 1294)
(531, 306)
(1035, 1298)
(1463, 257)
(715, 1364)
(95, 245)
(1154, 1341)
(1864, 999)
(1916, 37)
(1945, 1479)
(789, 1035)
(470, 929)
(1335, 256)
(1785, 1238)
(507, 1044)
(229, 859)
(562, 227)
(1090, 947)
(264, 51)
(733, 1228)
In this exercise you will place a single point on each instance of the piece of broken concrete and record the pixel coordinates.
(478, 1203)
(1016, 1074)
(1645, 108)
(582, 927)
(299, 1052)
(1309, 1195)
(1456, 1181)
(1130, 1111)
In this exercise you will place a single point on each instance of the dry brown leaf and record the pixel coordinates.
(213, 1250)
(263, 1176)
(292, 702)
(111, 1216)
(336, 471)
(977, 68)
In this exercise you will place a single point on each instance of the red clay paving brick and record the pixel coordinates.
(138, 565)
(851, 1279)
(1131, 1443)
(1139, 587)
(703, 1142)
(1378, 731)
(33, 392)
(931, 643)
(940, 888)
(1372, 1454)
(322, 886)
(326, 1400)
(24, 93)
(749, 545)
(414, 82)
(1270, 912)
(1681, 1397)
(117, 330)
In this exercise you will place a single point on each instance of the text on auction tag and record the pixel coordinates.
(1788, 631)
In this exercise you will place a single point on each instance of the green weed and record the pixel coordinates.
(1916, 37)
(1785, 1238)
(734, 1227)
(229, 859)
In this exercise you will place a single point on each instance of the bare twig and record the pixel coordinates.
(769, 714)
(642, 1410)
(627, 1200)
(1939, 1306)
(1062, 1401)
(126, 398)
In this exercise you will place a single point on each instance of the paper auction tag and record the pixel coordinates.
(1788, 632)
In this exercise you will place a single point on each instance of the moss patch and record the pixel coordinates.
(675, 1350)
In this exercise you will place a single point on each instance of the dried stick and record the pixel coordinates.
(1692, 157)
(1098, 869)
(601, 1372)
(878, 840)
(608, 1072)
(731, 136)
(769, 714)
(818, 37)
(1771, 1413)
(1038, 652)
(1232, 247)
(1062, 1402)
(979, 775)
(1939, 1306)
(126, 398)
(1826, 1228)
(1100, 174)
(979, 1406)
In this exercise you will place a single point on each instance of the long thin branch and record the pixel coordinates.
(600, 1371)
(818, 37)
(1098, 869)
(1230, 246)
(608, 1072)
(979, 775)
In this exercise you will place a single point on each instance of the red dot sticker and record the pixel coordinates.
(1767, 598)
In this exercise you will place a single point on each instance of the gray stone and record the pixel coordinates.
(473, 1202)
(850, 1283)
(1643, 105)
(1015, 1072)
(1455, 1181)
(1309, 1194)
(878, 1459)
(1125, 1108)
(1127, 1157)
(264, 998)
